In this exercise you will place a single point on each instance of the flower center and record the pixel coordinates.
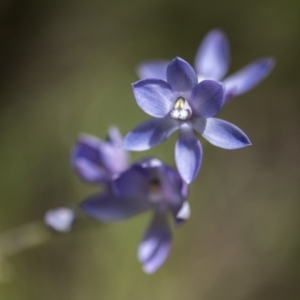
(154, 186)
(155, 193)
(181, 110)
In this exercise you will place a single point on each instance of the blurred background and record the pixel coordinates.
(65, 68)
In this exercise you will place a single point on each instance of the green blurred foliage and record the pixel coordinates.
(66, 67)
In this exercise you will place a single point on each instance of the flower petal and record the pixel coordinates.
(183, 214)
(156, 244)
(207, 98)
(133, 183)
(113, 158)
(85, 159)
(154, 96)
(109, 208)
(181, 76)
(212, 58)
(114, 136)
(174, 188)
(89, 172)
(188, 154)
(153, 69)
(249, 76)
(223, 134)
(149, 134)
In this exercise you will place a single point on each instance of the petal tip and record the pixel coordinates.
(180, 222)
(177, 58)
(271, 60)
(271, 63)
(88, 139)
(188, 177)
(148, 269)
(245, 143)
(218, 32)
(268, 62)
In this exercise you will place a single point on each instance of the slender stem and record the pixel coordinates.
(21, 238)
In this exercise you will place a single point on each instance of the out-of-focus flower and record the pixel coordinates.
(97, 161)
(182, 103)
(212, 62)
(60, 219)
(147, 185)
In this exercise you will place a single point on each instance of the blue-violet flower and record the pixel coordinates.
(182, 103)
(147, 185)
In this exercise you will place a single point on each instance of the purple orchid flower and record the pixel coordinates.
(212, 62)
(97, 161)
(147, 185)
(182, 103)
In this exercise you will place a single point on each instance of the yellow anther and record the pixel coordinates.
(181, 110)
(179, 104)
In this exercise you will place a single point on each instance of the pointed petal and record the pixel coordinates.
(156, 244)
(188, 154)
(108, 208)
(153, 69)
(85, 159)
(251, 75)
(154, 96)
(114, 136)
(181, 76)
(183, 214)
(149, 134)
(207, 98)
(223, 134)
(212, 58)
